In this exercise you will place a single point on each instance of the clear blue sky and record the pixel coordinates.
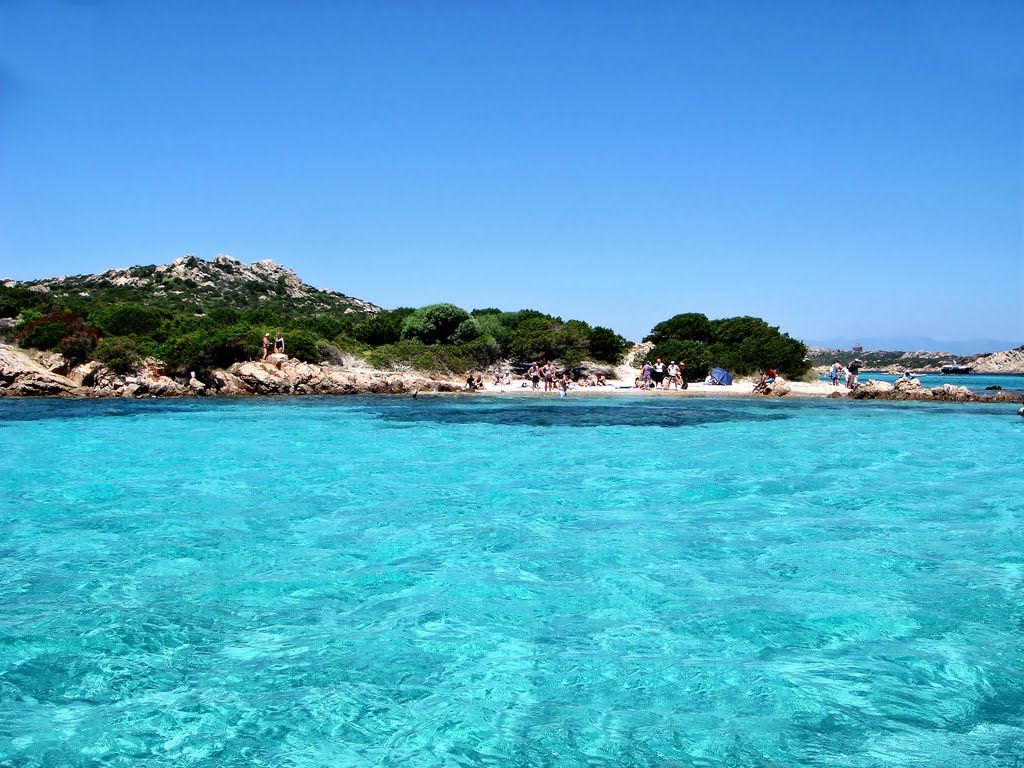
(840, 169)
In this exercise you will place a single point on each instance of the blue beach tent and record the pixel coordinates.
(721, 376)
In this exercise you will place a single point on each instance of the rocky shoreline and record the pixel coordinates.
(47, 375)
(21, 375)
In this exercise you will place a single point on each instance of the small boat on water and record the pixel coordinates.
(946, 369)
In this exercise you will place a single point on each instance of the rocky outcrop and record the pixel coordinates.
(279, 375)
(912, 390)
(97, 380)
(21, 375)
(1010, 361)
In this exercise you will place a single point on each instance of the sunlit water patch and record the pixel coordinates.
(460, 581)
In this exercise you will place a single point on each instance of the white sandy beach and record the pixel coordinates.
(739, 388)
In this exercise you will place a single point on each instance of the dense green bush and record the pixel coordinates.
(46, 332)
(212, 347)
(382, 328)
(468, 330)
(302, 345)
(14, 301)
(118, 353)
(742, 345)
(689, 325)
(78, 346)
(433, 358)
(434, 324)
(497, 325)
(224, 316)
(325, 326)
(128, 320)
(605, 345)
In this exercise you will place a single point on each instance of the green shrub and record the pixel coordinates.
(44, 333)
(606, 346)
(534, 339)
(225, 316)
(468, 331)
(434, 324)
(47, 332)
(264, 316)
(14, 301)
(128, 320)
(429, 358)
(302, 345)
(118, 353)
(77, 347)
(212, 347)
(742, 345)
(689, 326)
(325, 326)
(382, 328)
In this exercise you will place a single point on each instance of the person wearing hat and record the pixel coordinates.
(854, 369)
(267, 345)
(673, 375)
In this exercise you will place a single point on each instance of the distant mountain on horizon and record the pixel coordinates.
(917, 344)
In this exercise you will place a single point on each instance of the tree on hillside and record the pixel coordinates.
(606, 346)
(382, 328)
(691, 326)
(434, 324)
(533, 338)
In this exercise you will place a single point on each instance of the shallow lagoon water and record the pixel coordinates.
(492, 582)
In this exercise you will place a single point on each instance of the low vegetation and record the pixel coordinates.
(206, 326)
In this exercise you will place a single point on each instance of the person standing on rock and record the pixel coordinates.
(267, 346)
(279, 345)
(854, 369)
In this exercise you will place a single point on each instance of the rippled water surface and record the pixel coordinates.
(503, 582)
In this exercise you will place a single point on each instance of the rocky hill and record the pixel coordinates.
(191, 284)
(1010, 361)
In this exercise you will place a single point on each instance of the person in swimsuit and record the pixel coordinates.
(267, 346)
(279, 345)
(548, 371)
(534, 374)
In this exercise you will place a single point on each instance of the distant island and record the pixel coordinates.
(186, 326)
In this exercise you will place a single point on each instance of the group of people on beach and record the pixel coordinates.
(850, 371)
(272, 346)
(657, 374)
(549, 373)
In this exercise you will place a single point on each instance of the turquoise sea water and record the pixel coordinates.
(511, 582)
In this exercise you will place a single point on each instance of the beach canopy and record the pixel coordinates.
(721, 376)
